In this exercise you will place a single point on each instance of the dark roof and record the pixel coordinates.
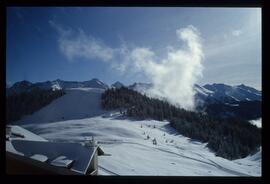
(74, 151)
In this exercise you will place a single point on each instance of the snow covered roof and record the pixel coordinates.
(72, 155)
(15, 132)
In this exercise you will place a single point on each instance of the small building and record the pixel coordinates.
(45, 157)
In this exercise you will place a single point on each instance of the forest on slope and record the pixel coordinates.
(230, 138)
(26, 103)
(246, 110)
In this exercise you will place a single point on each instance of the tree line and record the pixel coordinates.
(246, 110)
(229, 138)
(20, 104)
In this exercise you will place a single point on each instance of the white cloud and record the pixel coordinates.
(237, 32)
(173, 77)
(85, 46)
(77, 44)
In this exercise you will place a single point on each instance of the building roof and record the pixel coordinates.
(76, 156)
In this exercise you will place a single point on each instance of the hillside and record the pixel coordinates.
(77, 103)
(125, 140)
(224, 136)
(131, 153)
(26, 103)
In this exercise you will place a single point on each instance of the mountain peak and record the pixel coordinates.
(117, 84)
(24, 86)
(24, 83)
(224, 92)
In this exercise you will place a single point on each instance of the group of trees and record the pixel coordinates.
(245, 110)
(26, 103)
(229, 138)
(137, 105)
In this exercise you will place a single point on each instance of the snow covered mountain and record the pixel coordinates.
(220, 99)
(228, 101)
(117, 85)
(94, 83)
(214, 93)
(215, 99)
(228, 94)
(130, 151)
(25, 86)
(19, 87)
(210, 93)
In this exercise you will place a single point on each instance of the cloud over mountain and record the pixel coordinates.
(173, 76)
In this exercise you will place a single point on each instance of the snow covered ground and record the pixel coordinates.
(257, 122)
(78, 103)
(125, 141)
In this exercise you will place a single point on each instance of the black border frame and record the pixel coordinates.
(140, 3)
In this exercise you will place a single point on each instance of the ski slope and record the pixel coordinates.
(77, 103)
(125, 142)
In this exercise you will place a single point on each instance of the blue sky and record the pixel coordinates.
(46, 43)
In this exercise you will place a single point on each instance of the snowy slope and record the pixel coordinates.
(27, 134)
(125, 140)
(201, 90)
(131, 153)
(78, 103)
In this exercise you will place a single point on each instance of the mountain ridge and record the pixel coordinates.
(26, 86)
(208, 93)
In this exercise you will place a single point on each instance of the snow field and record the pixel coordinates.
(125, 140)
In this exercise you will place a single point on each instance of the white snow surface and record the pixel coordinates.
(39, 157)
(61, 161)
(131, 153)
(257, 122)
(77, 103)
(56, 87)
(202, 90)
(27, 135)
(125, 142)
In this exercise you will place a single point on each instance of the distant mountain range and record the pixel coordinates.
(223, 93)
(25, 86)
(214, 93)
(216, 99)
(222, 100)
(210, 93)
